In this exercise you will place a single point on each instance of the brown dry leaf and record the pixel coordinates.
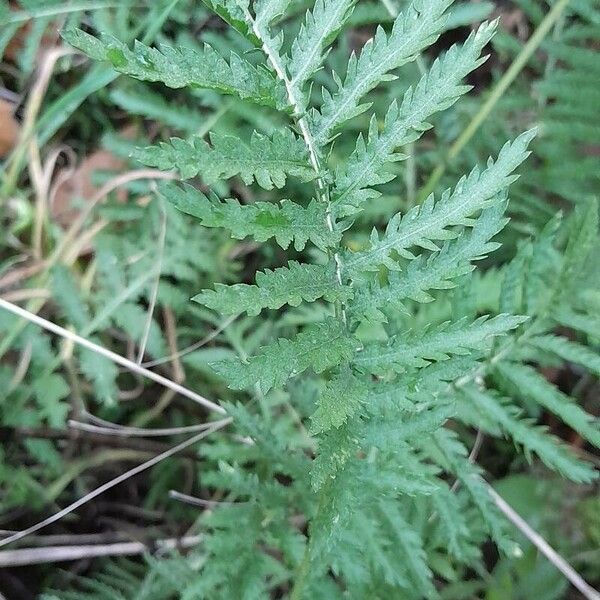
(16, 43)
(515, 21)
(78, 184)
(9, 128)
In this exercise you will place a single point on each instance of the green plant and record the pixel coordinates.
(389, 352)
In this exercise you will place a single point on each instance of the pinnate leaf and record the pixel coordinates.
(285, 221)
(320, 346)
(268, 160)
(184, 67)
(291, 285)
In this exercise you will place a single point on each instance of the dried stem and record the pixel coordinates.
(53, 554)
(112, 483)
(116, 358)
(544, 547)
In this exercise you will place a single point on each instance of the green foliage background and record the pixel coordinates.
(393, 320)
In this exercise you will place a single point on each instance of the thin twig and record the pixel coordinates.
(211, 336)
(92, 437)
(472, 456)
(112, 483)
(36, 174)
(171, 335)
(194, 501)
(116, 358)
(124, 431)
(544, 547)
(53, 554)
(22, 367)
(26, 294)
(154, 293)
(25, 272)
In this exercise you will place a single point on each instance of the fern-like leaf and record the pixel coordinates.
(430, 221)
(342, 398)
(436, 91)
(436, 271)
(184, 67)
(527, 383)
(286, 221)
(268, 160)
(535, 440)
(439, 344)
(286, 285)
(569, 351)
(320, 346)
(470, 477)
(318, 30)
(414, 29)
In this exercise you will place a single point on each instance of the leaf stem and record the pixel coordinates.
(503, 84)
(309, 140)
(301, 575)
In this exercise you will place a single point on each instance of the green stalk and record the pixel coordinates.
(301, 575)
(486, 108)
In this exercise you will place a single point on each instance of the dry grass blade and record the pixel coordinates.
(53, 554)
(123, 431)
(112, 483)
(116, 358)
(194, 501)
(544, 547)
(211, 336)
(154, 293)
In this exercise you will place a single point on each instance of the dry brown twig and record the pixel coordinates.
(53, 554)
(112, 483)
(116, 358)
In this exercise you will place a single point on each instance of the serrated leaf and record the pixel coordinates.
(429, 222)
(413, 30)
(582, 240)
(320, 346)
(184, 67)
(50, 390)
(453, 522)
(267, 11)
(66, 293)
(285, 221)
(511, 292)
(341, 399)
(102, 373)
(318, 30)
(585, 323)
(286, 285)
(232, 12)
(411, 549)
(267, 159)
(528, 383)
(436, 91)
(568, 350)
(392, 435)
(436, 271)
(446, 340)
(534, 439)
(469, 475)
(336, 447)
(132, 318)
